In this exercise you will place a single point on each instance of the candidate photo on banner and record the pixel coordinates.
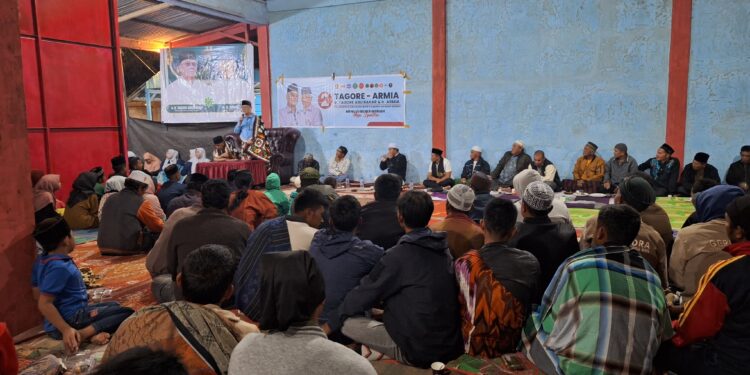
(205, 84)
(342, 102)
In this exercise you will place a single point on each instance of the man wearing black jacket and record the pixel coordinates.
(513, 162)
(699, 169)
(416, 283)
(379, 219)
(738, 173)
(394, 162)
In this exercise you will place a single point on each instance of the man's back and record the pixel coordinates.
(696, 248)
(413, 279)
(299, 350)
(380, 224)
(551, 243)
(169, 191)
(604, 312)
(463, 233)
(497, 284)
(343, 259)
(655, 216)
(208, 226)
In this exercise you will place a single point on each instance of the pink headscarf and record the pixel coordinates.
(44, 191)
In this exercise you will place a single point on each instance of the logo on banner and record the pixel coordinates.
(325, 100)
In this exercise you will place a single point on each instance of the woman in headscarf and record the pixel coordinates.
(173, 157)
(113, 185)
(150, 195)
(251, 206)
(99, 187)
(199, 157)
(274, 193)
(82, 207)
(44, 197)
(291, 297)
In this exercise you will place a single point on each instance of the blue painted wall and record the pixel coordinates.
(557, 74)
(368, 38)
(718, 117)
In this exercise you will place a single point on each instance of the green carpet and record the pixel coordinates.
(678, 210)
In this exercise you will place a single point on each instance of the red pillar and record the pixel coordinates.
(679, 66)
(264, 58)
(438, 74)
(17, 306)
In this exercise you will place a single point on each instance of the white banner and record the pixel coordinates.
(343, 102)
(206, 84)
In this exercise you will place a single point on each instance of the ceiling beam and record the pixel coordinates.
(142, 12)
(209, 37)
(142, 45)
(253, 12)
(169, 27)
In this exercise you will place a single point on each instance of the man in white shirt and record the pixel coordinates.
(338, 166)
(439, 173)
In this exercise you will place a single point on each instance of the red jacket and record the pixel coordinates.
(720, 311)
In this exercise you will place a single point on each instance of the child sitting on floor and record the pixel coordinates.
(58, 286)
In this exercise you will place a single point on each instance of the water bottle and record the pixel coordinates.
(362, 182)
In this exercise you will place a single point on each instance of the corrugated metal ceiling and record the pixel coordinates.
(166, 24)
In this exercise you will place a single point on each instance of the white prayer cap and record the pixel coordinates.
(461, 197)
(131, 154)
(520, 143)
(524, 178)
(476, 148)
(538, 196)
(392, 145)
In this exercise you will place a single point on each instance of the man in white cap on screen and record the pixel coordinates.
(394, 162)
(475, 164)
(463, 233)
(513, 162)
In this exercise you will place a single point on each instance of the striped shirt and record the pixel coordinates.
(603, 312)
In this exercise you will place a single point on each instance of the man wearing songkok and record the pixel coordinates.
(604, 311)
(221, 152)
(664, 171)
(440, 173)
(699, 169)
(588, 172)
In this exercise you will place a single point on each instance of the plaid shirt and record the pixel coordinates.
(603, 312)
